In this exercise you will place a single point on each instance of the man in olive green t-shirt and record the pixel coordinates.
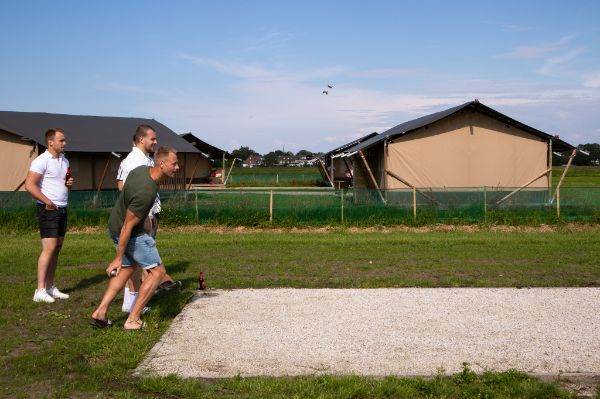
(135, 248)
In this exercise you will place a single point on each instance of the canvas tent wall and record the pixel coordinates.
(210, 154)
(91, 140)
(470, 145)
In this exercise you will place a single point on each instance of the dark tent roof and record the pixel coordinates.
(89, 133)
(350, 144)
(407, 127)
(206, 149)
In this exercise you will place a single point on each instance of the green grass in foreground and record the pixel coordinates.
(50, 351)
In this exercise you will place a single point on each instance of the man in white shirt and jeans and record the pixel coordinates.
(48, 181)
(144, 142)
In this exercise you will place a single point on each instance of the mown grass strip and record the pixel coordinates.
(51, 351)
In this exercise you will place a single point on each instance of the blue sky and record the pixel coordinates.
(252, 72)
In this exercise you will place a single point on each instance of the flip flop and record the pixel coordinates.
(99, 323)
(141, 324)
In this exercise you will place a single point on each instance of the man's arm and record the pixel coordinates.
(32, 186)
(130, 221)
(120, 185)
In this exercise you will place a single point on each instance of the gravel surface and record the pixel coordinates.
(377, 332)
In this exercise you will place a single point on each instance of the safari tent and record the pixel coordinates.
(95, 147)
(467, 146)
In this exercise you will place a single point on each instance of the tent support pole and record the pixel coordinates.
(564, 173)
(230, 169)
(223, 170)
(550, 167)
(371, 175)
(523, 186)
(103, 174)
(401, 180)
(325, 172)
(194, 173)
(19, 186)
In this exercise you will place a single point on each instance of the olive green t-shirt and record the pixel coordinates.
(138, 195)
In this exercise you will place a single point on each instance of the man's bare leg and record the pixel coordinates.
(149, 285)
(115, 285)
(49, 255)
(54, 262)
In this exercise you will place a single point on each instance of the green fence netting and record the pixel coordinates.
(320, 207)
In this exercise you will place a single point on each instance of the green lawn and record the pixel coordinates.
(578, 176)
(50, 351)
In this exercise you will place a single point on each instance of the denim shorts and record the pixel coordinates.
(141, 250)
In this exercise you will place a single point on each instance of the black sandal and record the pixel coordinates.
(98, 323)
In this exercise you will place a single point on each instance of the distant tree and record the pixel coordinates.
(582, 159)
(305, 153)
(243, 153)
(270, 159)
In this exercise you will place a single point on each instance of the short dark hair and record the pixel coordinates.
(163, 152)
(140, 132)
(50, 133)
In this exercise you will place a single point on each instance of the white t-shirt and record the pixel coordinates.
(53, 170)
(134, 159)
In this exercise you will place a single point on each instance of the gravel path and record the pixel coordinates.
(376, 332)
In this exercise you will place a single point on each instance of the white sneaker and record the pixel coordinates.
(55, 293)
(42, 296)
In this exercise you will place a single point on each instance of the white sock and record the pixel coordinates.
(128, 300)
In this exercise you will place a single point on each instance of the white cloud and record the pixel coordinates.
(552, 66)
(593, 81)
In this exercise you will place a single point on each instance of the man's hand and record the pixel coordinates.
(51, 206)
(114, 265)
(69, 182)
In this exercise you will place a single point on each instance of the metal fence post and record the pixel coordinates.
(414, 204)
(271, 208)
(342, 201)
(196, 203)
(485, 203)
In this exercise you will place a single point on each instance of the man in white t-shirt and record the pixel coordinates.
(144, 142)
(48, 181)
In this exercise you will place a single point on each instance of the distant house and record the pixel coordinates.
(252, 161)
(95, 147)
(470, 145)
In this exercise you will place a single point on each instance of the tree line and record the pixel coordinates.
(271, 158)
(581, 159)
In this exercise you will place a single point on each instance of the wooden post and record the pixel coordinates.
(103, 174)
(271, 208)
(573, 153)
(414, 190)
(196, 203)
(194, 172)
(223, 170)
(230, 169)
(549, 167)
(522, 187)
(558, 202)
(371, 175)
(485, 203)
(401, 180)
(19, 186)
(325, 173)
(342, 201)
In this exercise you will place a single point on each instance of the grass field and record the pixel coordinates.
(50, 351)
(577, 176)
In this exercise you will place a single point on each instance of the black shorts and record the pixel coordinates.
(53, 223)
